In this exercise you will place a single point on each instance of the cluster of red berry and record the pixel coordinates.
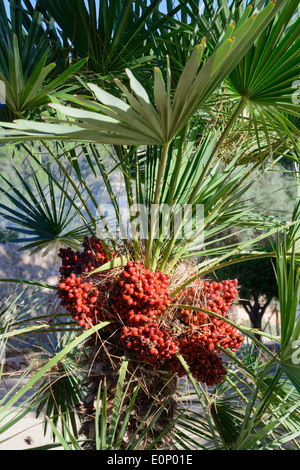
(150, 343)
(83, 262)
(138, 298)
(141, 295)
(199, 344)
(216, 297)
(84, 298)
(204, 363)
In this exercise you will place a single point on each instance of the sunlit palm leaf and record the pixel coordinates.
(117, 122)
(41, 214)
(266, 75)
(288, 281)
(29, 51)
(26, 94)
(110, 33)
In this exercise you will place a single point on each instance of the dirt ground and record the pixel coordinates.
(26, 433)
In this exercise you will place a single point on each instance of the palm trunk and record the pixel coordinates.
(154, 403)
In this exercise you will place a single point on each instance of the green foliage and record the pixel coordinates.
(112, 34)
(182, 132)
(257, 285)
(61, 389)
(288, 281)
(25, 94)
(266, 73)
(254, 408)
(8, 400)
(47, 220)
(33, 34)
(29, 53)
(140, 122)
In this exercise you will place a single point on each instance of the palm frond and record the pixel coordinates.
(266, 75)
(111, 34)
(142, 122)
(47, 217)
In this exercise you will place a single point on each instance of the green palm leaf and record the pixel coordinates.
(111, 34)
(43, 216)
(266, 74)
(26, 94)
(288, 281)
(115, 122)
(60, 390)
(30, 49)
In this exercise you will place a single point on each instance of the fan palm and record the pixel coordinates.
(30, 69)
(111, 34)
(254, 408)
(266, 74)
(181, 163)
(43, 216)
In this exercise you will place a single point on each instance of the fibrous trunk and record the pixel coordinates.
(155, 404)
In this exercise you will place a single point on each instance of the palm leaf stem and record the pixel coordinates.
(52, 362)
(31, 283)
(73, 184)
(105, 177)
(45, 169)
(169, 201)
(250, 418)
(203, 399)
(219, 263)
(208, 220)
(155, 201)
(240, 107)
(129, 195)
(78, 193)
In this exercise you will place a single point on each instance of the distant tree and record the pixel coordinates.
(257, 286)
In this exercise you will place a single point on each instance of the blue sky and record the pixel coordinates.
(6, 2)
